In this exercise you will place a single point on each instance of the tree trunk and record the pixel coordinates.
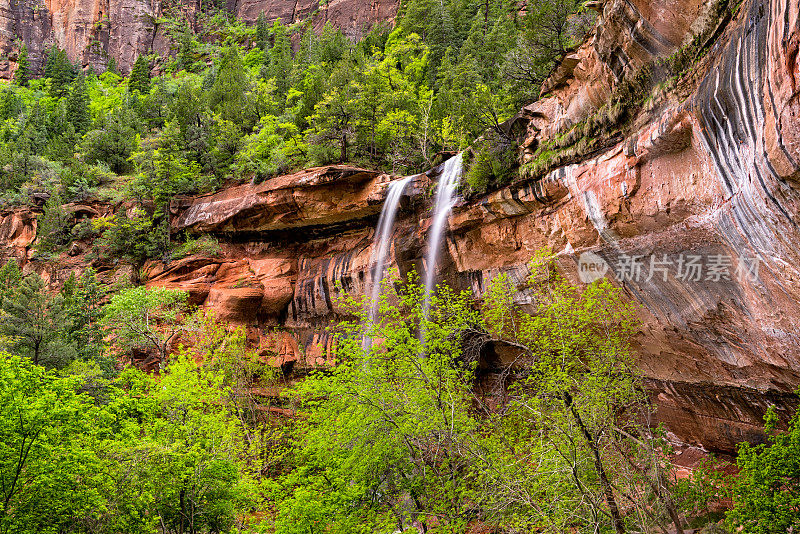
(608, 491)
(183, 510)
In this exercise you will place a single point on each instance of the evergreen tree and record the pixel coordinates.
(53, 226)
(35, 323)
(60, 71)
(10, 277)
(280, 59)
(82, 307)
(230, 91)
(140, 76)
(112, 66)
(78, 105)
(114, 141)
(23, 73)
(262, 32)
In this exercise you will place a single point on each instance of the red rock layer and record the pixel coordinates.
(94, 31)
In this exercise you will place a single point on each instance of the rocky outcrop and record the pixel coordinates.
(94, 31)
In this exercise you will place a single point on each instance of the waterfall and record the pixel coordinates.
(445, 199)
(382, 243)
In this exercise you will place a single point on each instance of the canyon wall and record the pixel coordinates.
(94, 31)
(691, 206)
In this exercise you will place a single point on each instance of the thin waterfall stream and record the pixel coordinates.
(382, 244)
(443, 205)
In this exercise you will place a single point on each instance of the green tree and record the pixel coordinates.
(393, 434)
(147, 318)
(59, 70)
(279, 66)
(10, 277)
(82, 306)
(78, 105)
(139, 79)
(230, 94)
(548, 29)
(34, 322)
(380, 440)
(23, 73)
(767, 491)
(193, 443)
(132, 236)
(52, 478)
(335, 116)
(114, 141)
(262, 32)
(53, 226)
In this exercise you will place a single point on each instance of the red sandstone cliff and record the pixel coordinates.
(94, 31)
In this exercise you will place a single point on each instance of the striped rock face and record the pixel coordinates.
(93, 31)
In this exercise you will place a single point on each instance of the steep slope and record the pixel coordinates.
(94, 31)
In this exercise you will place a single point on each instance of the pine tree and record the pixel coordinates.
(280, 59)
(23, 73)
(112, 66)
(229, 93)
(82, 306)
(53, 226)
(60, 71)
(78, 105)
(34, 323)
(140, 76)
(10, 277)
(262, 32)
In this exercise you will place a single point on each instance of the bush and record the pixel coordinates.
(206, 245)
(767, 493)
(493, 163)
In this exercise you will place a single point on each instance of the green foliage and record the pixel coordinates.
(156, 453)
(393, 436)
(493, 162)
(193, 471)
(379, 443)
(10, 277)
(60, 70)
(230, 96)
(132, 236)
(53, 474)
(78, 105)
(113, 141)
(146, 318)
(53, 226)
(205, 245)
(82, 297)
(767, 492)
(23, 73)
(139, 79)
(34, 323)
